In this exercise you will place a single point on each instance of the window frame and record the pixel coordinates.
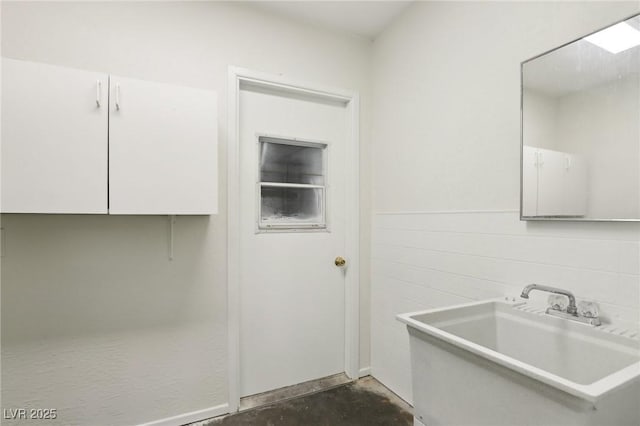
(267, 226)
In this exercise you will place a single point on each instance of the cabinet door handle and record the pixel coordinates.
(98, 92)
(118, 97)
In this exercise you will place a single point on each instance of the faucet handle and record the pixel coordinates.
(588, 309)
(557, 302)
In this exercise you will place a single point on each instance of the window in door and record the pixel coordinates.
(292, 184)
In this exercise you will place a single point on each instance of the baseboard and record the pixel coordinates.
(193, 416)
(366, 371)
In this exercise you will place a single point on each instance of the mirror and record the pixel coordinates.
(581, 128)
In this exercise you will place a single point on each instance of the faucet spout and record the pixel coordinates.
(571, 309)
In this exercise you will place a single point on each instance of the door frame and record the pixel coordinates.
(351, 99)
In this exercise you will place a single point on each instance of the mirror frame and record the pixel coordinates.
(522, 64)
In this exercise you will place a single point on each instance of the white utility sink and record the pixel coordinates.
(495, 362)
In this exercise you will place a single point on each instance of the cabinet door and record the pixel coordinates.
(551, 183)
(54, 139)
(562, 184)
(529, 181)
(162, 148)
(575, 200)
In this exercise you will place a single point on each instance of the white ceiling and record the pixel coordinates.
(363, 18)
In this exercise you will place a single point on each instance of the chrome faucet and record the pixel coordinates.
(571, 312)
(571, 309)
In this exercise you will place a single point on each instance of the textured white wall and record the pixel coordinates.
(95, 320)
(446, 136)
(446, 83)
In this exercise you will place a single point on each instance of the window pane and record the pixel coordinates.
(291, 163)
(292, 205)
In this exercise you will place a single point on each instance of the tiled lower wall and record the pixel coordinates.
(426, 260)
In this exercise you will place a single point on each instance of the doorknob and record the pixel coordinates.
(340, 261)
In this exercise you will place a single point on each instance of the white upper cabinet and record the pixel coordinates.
(554, 183)
(84, 142)
(576, 194)
(54, 139)
(162, 148)
(529, 181)
(562, 184)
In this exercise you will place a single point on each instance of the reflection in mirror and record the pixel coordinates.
(581, 128)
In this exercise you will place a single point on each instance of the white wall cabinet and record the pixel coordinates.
(529, 181)
(54, 139)
(553, 183)
(82, 142)
(161, 156)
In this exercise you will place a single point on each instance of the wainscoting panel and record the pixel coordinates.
(425, 260)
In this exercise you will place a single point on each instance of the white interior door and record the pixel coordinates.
(54, 139)
(162, 148)
(292, 204)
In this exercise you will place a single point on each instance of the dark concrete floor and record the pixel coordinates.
(361, 403)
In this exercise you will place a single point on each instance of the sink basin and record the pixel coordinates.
(522, 354)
